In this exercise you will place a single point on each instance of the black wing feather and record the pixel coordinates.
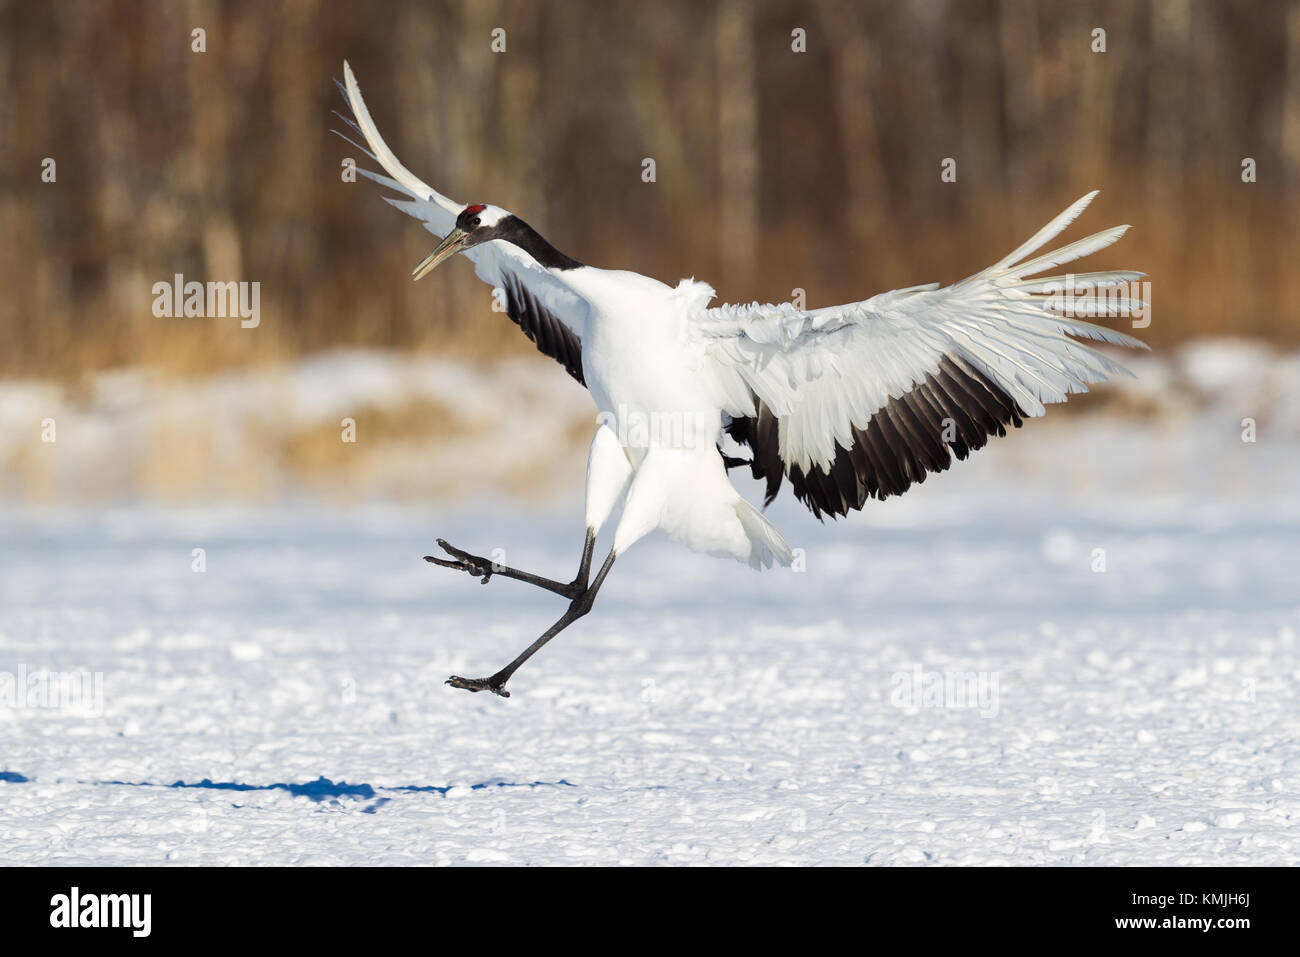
(552, 337)
(953, 411)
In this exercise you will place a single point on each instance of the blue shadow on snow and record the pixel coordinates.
(319, 790)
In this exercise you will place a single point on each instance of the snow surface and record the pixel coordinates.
(286, 705)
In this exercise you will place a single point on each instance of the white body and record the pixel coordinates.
(661, 416)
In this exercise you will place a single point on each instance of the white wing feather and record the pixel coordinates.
(492, 260)
(823, 372)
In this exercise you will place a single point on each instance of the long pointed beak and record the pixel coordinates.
(453, 244)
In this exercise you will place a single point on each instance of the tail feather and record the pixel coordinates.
(766, 544)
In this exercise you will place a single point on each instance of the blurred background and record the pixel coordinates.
(775, 168)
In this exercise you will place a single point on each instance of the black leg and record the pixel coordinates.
(577, 608)
(482, 568)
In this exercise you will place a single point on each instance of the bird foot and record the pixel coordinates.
(479, 684)
(464, 561)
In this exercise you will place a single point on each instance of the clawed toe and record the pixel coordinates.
(478, 684)
(579, 593)
(462, 561)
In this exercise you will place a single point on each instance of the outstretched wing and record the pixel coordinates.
(548, 312)
(860, 401)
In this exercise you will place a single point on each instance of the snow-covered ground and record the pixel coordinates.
(1080, 647)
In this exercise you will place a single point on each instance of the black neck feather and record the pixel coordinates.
(514, 230)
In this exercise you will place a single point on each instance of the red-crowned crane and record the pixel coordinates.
(848, 402)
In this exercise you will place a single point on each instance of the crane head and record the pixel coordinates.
(477, 223)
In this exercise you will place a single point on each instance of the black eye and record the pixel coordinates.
(475, 220)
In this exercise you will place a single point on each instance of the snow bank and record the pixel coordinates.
(430, 429)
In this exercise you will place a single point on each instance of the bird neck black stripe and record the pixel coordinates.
(515, 230)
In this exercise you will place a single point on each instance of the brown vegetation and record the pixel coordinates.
(775, 169)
